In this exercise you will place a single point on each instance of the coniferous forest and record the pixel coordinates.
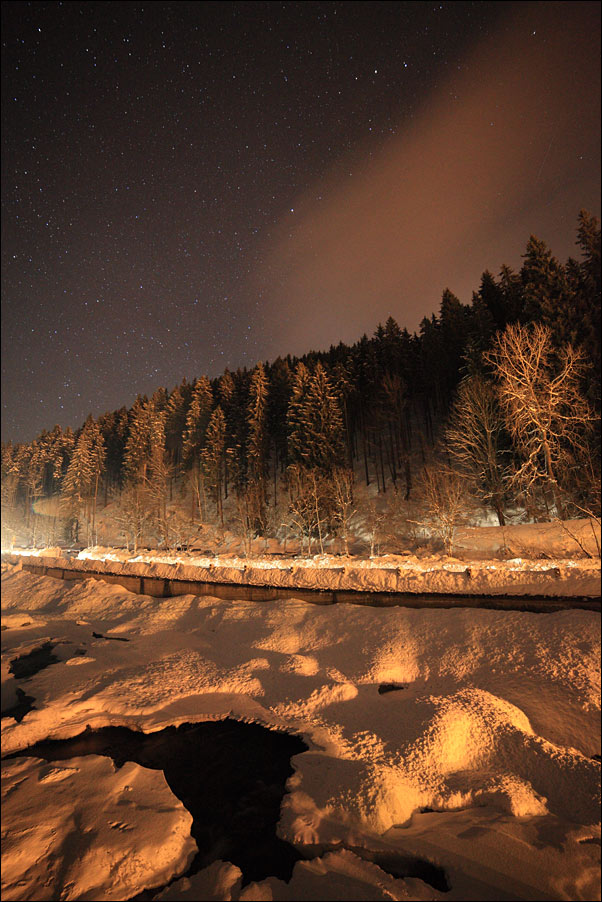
(492, 406)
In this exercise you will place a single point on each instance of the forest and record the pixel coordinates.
(492, 406)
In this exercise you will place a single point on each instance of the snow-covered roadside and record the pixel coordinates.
(489, 723)
(403, 574)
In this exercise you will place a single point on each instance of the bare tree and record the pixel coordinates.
(399, 530)
(475, 441)
(446, 499)
(198, 493)
(374, 522)
(133, 513)
(342, 496)
(309, 505)
(157, 482)
(547, 416)
(249, 513)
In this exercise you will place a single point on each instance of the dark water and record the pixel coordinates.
(230, 776)
(23, 705)
(22, 668)
(26, 665)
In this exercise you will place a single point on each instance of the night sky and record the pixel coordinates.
(193, 186)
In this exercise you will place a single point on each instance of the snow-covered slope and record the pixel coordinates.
(476, 756)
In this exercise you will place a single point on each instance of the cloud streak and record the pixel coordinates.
(508, 145)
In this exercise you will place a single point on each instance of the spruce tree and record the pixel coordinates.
(280, 378)
(454, 325)
(175, 424)
(226, 391)
(82, 479)
(197, 419)
(323, 441)
(213, 458)
(257, 444)
(547, 293)
(296, 415)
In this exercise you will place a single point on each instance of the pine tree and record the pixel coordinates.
(492, 296)
(431, 373)
(114, 428)
(213, 458)
(295, 415)
(197, 420)
(146, 431)
(281, 379)
(32, 461)
(175, 424)
(546, 290)
(321, 439)
(584, 280)
(344, 387)
(511, 287)
(392, 346)
(257, 445)
(226, 391)
(454, 325)
(82, 479)
(158, 476)
(11, 519)
(58, 451)
(479, 338)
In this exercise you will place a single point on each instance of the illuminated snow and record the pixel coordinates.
(491, 727)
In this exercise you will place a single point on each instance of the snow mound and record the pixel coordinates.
(449, 752)
(99, 839)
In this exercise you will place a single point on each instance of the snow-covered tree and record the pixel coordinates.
(319, 438)
(296, 415)
(213, 458)
(11, 516)
(197, 420)
(257, 444)
(82, 479)
(175, 425)
(146, 431)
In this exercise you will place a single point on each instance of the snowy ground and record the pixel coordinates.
(479, 759)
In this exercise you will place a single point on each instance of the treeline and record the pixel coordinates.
(503, 393)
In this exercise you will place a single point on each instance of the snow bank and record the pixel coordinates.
(400, 574)
(220, 881)
(336, 876)
(489, 721)
(558, 539)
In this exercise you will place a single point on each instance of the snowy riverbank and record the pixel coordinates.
(403, 574)
(459, 737)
